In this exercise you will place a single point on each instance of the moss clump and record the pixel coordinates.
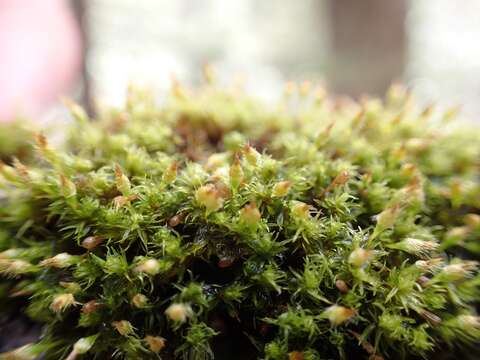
(214, 225)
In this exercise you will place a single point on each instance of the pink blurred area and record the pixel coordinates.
(40, 55)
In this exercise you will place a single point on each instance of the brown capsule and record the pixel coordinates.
(429, 265)
(67, 186)
(118, 122)
(360, 257)
(92, 242)
(301, 210)
(61, 302)
(59, 261)
(139, 301)
(41, 141)
(170, 173)
(179, 312)
(250, 214)
(226, 261)
(430, 317)
(223, 189)
(387, 218)
(342, 286)
(339, 180)
(281, 188)
(91, 306)
(155, 343)
(175, 220)
(296, 355)
(148, 266)
(123, 327)
(338, 314)
(251, 154)
(209, 196)
(324, 135)
(236, 172)
(121, 180)
(120, 201)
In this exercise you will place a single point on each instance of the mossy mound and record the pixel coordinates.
(214, 226)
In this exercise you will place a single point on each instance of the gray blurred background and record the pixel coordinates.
(352, 46)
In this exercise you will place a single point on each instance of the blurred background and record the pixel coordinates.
(92, 49)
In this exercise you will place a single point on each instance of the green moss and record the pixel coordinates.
(321, 228)
(15, 141)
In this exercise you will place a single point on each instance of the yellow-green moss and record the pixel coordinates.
(320, 228)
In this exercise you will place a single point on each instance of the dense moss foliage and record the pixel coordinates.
(212, 226)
